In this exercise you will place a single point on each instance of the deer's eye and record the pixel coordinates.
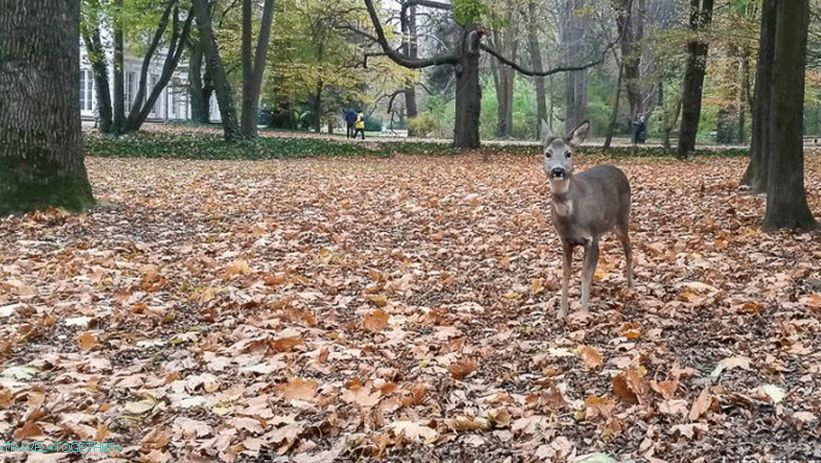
(568, 155)
(548, 154)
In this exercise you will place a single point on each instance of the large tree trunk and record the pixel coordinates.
(694, 72)
(786, 197)
(41, 145)
(99, 69)
(253, 65)
(119, 70)
(200, 99)
(572, 36)
(538, 65)
(468, 92)
(614, 115)
(756, 174)
(318, 107)
(222, 86)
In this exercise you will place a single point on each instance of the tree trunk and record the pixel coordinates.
(119, 71)
(200, 104)
(631, 26)
(786, 197)
(742, 96)
(253, 66)
(222, 86)
(505, 41)
(318, 108)
(41, 145)
(411, 107)
(538, 65)
(576, 81)
(694, 72)
(143, 105)
(468, 92)
(757, 170)
(614, 115)
(99, 69)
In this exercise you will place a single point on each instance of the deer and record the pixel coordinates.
(584, 207)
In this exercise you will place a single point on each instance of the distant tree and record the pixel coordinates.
(90, 24)
(222, 86)
(41, 146)
(464, 59)
(253, 63)
(701, 15)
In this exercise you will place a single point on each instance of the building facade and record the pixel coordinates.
(174, 103)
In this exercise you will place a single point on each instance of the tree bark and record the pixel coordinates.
(538, 65)
(694, 72)
(631, 29)
(253, 65)
(99, 69)
(757, 170)
(614, 115)
(576, 81)
(468, 91)
(41, 145)
(200, 102)
(412, 50)
(786, 196)
(118, 103)
(222, 86)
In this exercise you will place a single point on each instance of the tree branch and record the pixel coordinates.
(398, 58)
(549, 72)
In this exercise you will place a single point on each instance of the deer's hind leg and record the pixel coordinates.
(623, 233)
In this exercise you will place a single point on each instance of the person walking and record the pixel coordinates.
(360, 125)
(350, 122)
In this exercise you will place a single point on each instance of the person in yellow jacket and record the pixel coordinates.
(360, 125)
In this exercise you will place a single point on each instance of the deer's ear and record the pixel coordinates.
(579, 134)
(545, 133)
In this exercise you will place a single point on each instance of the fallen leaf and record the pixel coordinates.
(701, 404)
(592, 357)
(298, 389)
(87, 341)
(414, 431)
(375, 321)
(460, 369)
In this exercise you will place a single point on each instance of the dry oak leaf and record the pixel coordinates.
(286, 344)
(598, 406)
(414, 431)
(87, 341)
(701, 404)
(460, 369)
(361, 395)
(298, 389)
(375, 321)
(630, 330)
(730, 363)
(28, 430)
(237, 267)
(666, 389)
(622, 390)
(592, 357)
(690, 430)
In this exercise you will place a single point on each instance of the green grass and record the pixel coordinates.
(213, 147)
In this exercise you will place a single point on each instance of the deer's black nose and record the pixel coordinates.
(557, 172)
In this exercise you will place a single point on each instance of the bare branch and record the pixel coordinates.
(399, 58)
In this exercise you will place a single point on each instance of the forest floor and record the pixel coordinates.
(403, 309)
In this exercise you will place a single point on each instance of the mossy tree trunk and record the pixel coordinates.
(41, 146)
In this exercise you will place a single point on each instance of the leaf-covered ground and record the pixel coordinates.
(403, 309)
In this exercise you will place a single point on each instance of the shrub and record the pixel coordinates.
(423, 125)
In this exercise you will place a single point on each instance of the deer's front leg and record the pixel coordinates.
(567, 250)
(591, 259)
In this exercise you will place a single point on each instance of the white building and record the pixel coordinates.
(174, 103)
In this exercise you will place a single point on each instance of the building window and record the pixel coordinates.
(130, 90)
(86, 91)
